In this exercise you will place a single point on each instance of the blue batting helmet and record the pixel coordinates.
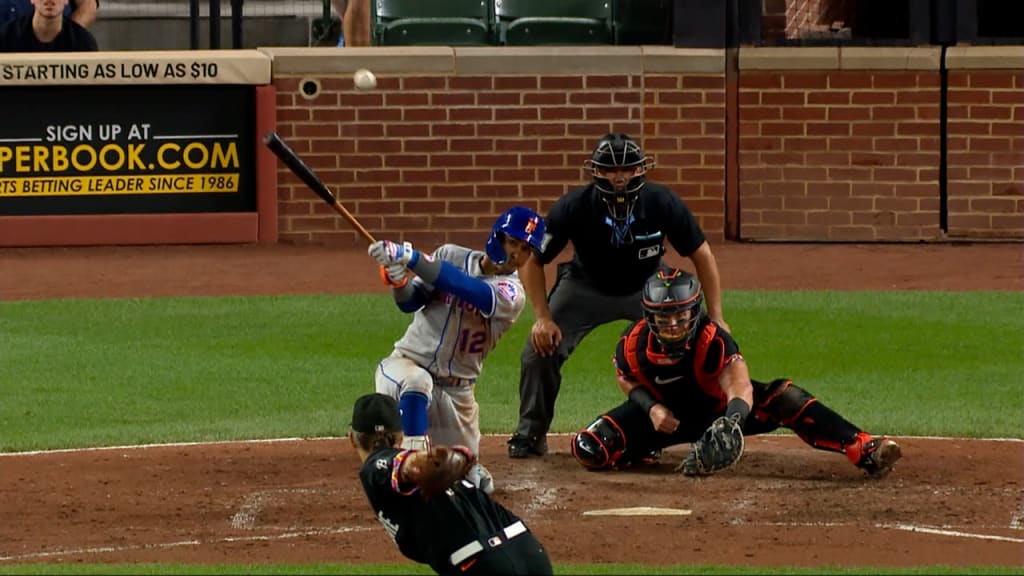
(520, 223)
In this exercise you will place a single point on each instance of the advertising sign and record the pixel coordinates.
(127, 149)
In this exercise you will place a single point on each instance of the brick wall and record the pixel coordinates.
(435, 157)
(839, 155)
(684, 130)
(986, 153)
(834, 144)
(773, 20)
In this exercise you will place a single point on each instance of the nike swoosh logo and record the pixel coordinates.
(468, 565)
(658, 380)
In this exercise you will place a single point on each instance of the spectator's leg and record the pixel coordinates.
(356, 23)
(339, 9)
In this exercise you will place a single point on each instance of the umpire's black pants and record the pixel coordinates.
(577, 308)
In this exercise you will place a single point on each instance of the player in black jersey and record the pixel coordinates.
(682, 372)
(618, 225)
(458, 531)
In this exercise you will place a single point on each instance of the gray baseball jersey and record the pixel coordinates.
(443, 349)
(450, 337)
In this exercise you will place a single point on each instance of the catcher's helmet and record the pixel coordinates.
(518, 222)
(617, 152)
(667, 295)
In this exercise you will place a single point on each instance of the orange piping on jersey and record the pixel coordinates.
(633, 361)
(709, 382)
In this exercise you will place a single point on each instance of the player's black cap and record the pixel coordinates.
(376, 413)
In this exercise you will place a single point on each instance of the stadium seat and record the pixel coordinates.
(553, 22)
(431, 22)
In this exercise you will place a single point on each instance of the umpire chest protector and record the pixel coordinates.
(688, 381)
(617, 257)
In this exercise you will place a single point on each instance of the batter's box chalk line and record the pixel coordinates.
(950, 531)
(1017, 520)
(944, 532)
(639, 511)
(178, 544)
(542, 497)
(254, 503)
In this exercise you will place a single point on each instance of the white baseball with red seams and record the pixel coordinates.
(364, 79)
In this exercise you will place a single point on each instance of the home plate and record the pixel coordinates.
(639, 511)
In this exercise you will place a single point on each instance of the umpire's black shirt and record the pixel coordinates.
(614, 265)
(428, 532)
(18, 36)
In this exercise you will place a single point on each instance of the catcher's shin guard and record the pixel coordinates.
(795, 408)
(599, 445)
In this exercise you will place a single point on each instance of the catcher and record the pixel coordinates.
(427, 506)
(687, 383)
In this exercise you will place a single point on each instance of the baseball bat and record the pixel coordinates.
(306, 174)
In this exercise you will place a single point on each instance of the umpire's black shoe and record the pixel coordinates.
(527, 446)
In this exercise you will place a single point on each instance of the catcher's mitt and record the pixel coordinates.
(437, 469)
(719, 448)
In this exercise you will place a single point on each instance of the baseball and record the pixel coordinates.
(364, 79)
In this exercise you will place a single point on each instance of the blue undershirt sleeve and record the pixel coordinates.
(446, 277)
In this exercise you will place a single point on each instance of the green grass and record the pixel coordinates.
(105, 372)
(76, 373)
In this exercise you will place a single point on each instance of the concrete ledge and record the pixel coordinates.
(789, 58)
(668, 60)
(495, 60)
(840, 58)
(329, 60)
(985, 57)
(890, 58)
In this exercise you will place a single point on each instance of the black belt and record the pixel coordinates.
(450, 382)
(476, 546)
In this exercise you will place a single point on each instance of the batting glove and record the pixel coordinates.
(388, 253)
(394, 275)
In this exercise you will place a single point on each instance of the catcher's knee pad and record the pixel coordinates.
(784, 401)
(599, 445)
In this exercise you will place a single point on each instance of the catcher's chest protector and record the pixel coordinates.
(679, 382)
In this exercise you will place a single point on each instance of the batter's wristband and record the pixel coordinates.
(387, 279)
(738, 406)
(642, 397)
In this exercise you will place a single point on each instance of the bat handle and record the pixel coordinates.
(353, 221)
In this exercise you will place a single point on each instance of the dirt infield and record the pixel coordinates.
(954, 502)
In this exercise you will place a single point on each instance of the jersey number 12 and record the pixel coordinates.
(471, 342)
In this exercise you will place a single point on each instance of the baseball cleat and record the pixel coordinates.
(525, 447)
(878, 455)
(482, 478)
